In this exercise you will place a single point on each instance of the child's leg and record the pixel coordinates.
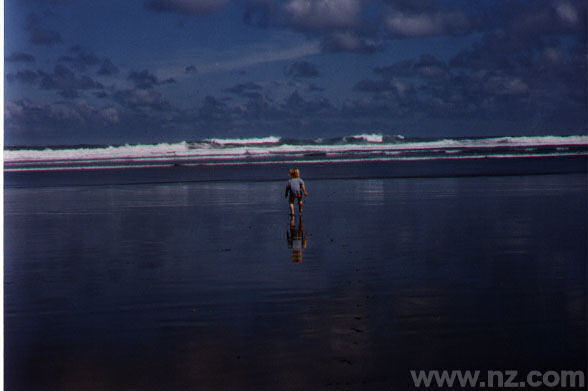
(291, 208)
(300, 205)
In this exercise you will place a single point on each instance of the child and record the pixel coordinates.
(295, 188)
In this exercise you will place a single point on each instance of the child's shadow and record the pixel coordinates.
(296, 238)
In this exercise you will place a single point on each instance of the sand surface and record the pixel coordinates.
(212, 286)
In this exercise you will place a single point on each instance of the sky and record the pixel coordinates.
(150, 71)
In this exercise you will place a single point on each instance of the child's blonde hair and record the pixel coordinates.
(294, 173)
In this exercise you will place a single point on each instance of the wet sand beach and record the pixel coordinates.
(212, 286)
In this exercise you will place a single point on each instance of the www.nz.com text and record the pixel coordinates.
(498, 379)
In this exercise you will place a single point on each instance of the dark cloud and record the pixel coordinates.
(524, 71)
(427, 23)
(245, 89)
(191, 70)
(26, 76)
(368, 85)
(360, 26)
(323, 14)
(190, 7)
(107, 68)
(533, 61)
(485, 96)
(145, 79)
(20, 57)
(523, 21)
(301, 69)
(66, 82)
(528, 29)
(46, 123)
(79, 58)
(340, 25)
(349, 42)
(39, 34)
(305, 15)
(412, 5)
(530, 93)
(260, 108)
(300, 107)
(84, 122)
(169, 80)
(213, 109)
(315, 88)
(262, 13)
(137, 99)
(426, 66)
(377, 86)
(526, 68)
(295, 114)
(101, 94)
(385, 110)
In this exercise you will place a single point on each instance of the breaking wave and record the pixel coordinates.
(272, 149)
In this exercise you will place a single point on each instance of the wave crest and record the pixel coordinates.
(276, 149)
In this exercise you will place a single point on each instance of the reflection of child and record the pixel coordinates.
(296, 239)
(295, 188)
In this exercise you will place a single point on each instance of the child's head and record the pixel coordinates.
(294, 173)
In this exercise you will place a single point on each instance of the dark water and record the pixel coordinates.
(208, 286)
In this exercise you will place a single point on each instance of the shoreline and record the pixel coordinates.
(519, 166)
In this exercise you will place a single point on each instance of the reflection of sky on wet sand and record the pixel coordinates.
(372, 192)
(192, 284)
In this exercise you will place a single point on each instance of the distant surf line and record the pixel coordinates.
(171, 164)
(16, 157)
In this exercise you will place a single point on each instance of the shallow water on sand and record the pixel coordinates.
(212, 286)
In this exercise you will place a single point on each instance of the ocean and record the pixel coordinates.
(176, 266)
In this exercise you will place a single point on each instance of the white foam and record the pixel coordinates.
(245, 141)
(370, 138)
(268, 146)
